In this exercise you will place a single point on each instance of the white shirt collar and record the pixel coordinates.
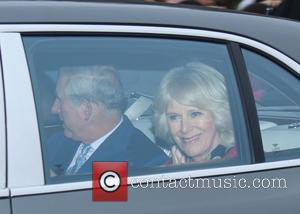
(94, 145)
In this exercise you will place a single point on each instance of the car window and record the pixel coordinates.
(69, 94)
(277, 96)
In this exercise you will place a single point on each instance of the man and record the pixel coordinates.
(90, 101)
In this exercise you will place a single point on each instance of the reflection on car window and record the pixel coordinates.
(95, 95)
(277, 95)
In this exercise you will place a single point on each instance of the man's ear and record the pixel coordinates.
(87, 110)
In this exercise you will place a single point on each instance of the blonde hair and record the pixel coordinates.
(199, 85)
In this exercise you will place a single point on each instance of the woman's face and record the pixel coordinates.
(193, 129)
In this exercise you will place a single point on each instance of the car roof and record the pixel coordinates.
(281, 34)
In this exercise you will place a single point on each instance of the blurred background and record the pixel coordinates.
(289, 9)
(281, 8)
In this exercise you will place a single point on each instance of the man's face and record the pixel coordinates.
(67, 111)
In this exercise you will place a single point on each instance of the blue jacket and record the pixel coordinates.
(126, 143)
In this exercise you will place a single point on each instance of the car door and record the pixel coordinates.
(142, 61)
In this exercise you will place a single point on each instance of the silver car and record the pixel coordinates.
(258, 56)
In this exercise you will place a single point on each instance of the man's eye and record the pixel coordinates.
(195, 114)
(172, 117)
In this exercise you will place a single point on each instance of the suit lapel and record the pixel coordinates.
(65, 155)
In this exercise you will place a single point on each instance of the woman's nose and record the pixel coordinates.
(185, 125)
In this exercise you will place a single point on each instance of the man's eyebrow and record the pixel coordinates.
(170, 112)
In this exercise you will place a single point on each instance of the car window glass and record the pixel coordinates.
(277, 96)
(66, 104)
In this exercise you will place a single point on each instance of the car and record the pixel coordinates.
(258, 57)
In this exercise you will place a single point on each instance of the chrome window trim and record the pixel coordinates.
(4, 193)
(87, 185)
(153, 30)
(36, 188)
(25, 166)
(2, 135)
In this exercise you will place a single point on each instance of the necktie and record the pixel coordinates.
(81, 158)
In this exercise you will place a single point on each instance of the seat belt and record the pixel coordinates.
(139, 107)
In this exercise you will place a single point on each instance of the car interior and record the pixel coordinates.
(143, 61)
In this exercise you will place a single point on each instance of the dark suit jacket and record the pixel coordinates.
(126, 143)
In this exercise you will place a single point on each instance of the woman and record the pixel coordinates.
(192, 114)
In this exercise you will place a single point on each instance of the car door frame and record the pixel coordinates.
(34, 184)
(5, 205)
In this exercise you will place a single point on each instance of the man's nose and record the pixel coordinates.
(185, 125)
(55, 109)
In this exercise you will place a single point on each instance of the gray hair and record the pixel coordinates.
(98, 84)
(199, 85)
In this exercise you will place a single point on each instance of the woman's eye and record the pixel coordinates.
(195, 114)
